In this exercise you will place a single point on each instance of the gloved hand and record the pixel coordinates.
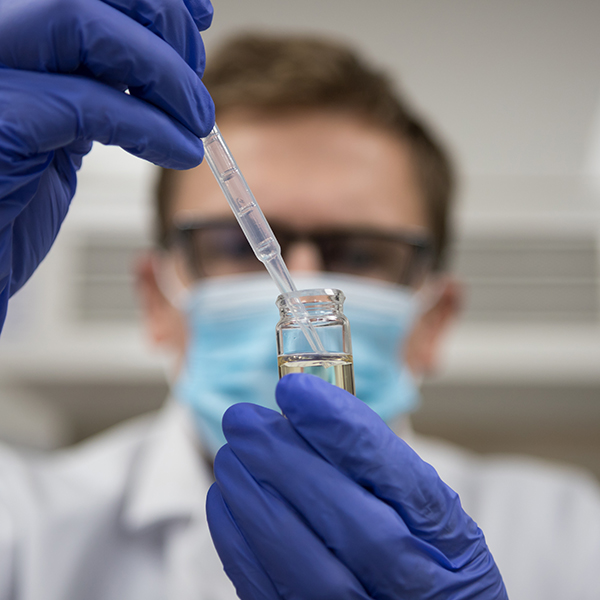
(64, 69)
(329, 503)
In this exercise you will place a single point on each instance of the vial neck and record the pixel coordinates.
(315, 302)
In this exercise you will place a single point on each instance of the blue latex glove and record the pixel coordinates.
(64, 67)
(329, 503)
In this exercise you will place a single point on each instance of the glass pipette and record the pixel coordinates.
(255, 227)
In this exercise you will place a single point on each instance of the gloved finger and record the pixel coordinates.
(101, 42)
(178, 23)
(4, 289)
(249, 578)
(293, 557)
(75, 108)
(352, 437)
(30, 240)
(364, 533)
(202, 12)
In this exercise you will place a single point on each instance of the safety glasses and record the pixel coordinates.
(218, 247)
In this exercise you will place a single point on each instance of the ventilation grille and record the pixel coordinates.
(104, 281)
(525, 279)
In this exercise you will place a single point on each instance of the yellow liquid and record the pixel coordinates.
(337, 369)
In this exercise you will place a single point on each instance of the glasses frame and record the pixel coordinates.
(420, 244)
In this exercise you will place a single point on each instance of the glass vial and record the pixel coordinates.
(294, 354)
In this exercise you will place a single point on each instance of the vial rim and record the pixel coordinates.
(308, 295)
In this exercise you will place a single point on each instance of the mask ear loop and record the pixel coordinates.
(429, 294)
(426, 297)
(177, 295)
(169, 283)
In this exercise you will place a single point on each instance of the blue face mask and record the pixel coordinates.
(232, 356)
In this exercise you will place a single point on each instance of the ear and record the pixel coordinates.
(163, 322)
(424, 342)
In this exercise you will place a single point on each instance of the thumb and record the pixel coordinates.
(352, 437)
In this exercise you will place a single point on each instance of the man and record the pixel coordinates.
(341, 507)
(349, 178)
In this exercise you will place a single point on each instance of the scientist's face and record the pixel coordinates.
(309, 172)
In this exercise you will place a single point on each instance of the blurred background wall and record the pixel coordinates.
(514, 88)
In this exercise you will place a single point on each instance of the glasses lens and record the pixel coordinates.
(215, 249)
(386, 258)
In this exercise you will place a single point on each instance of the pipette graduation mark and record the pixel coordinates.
(255, 226)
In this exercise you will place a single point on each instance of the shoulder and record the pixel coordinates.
(88, 474)
(505, 482)
(541, 519)
(67, 495)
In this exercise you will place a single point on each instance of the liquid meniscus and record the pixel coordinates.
(337, 369)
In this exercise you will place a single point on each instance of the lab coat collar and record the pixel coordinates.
(170, 479)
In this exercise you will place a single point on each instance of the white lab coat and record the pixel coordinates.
(122, 517)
